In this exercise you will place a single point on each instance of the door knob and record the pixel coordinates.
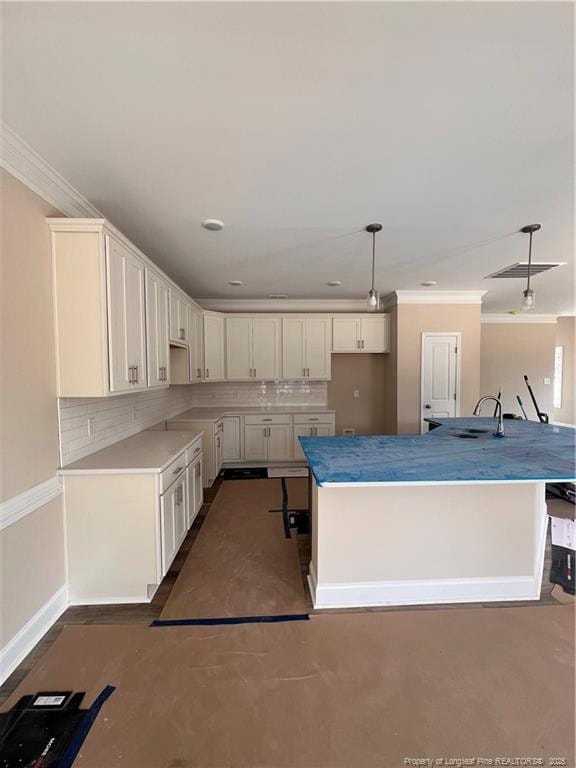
(427, 405)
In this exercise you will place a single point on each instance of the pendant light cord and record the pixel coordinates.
(373, 256)
(529, 262)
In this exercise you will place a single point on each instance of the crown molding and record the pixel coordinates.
(507, 319)
(434, 297)
(284, 305)
(19, 159)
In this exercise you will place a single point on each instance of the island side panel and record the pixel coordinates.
(402, 545)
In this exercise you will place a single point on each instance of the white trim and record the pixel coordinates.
(285, 305)
(17, 507)
(16, 650)
(131, 600)
(25, 164)
(19, 159)
(423, 591)
(507, 318)
(424, 335)
(435, 297)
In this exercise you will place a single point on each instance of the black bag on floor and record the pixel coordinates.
(38, 729)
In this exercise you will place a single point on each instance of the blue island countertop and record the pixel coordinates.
(460, 450)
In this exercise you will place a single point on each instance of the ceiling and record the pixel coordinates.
(300, 123)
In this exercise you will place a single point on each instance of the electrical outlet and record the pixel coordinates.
(546, 380)
(91, 425)
(348, 431)
(356, 394)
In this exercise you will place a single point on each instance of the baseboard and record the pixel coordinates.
(133, 600)
(16, 650)
(422, 592)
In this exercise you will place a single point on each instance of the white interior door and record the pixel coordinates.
(238, 348)
(439, 374)
(266, 347)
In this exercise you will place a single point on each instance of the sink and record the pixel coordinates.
(471, 434)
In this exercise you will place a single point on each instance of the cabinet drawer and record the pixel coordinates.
(172, 471)
(193, 451)
(313, 418)
(278, 418)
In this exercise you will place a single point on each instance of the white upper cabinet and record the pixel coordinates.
(266, 347)
(364, 333)
(239, 362)
(112, 312)
(126, 318)
(213, 347)
(252, 348)
(179, 318)
(157, 342)
(306, 346)
(196, 329)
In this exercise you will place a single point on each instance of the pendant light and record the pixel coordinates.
(373, 295)
(528, 298)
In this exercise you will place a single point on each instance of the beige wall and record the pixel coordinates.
(390, 383)
(32, 549)
(415, 319)
(510, 350)
(366, 374)
(566, 337)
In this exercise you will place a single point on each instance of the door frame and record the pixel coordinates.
(423, 337)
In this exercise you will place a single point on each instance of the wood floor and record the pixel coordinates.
(143, 614)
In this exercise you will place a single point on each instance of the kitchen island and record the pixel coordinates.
(454, 515)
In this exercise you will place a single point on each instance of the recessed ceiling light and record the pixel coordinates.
(235, 282)
(428, 283)
(214, 225)
(334, 283)
(277, 295)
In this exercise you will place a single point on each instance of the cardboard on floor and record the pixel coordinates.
(338, 691)
(241, 564)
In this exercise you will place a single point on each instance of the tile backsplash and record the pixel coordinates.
(114, 418)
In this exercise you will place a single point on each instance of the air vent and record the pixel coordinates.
(277, 295)
(520, 269)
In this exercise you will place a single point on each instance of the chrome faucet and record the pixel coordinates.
(500, 428)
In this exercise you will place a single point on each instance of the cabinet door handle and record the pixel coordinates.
(357, 343)
(362, 343)
(135, 374)
(266, 419)
(207, 373)
(181, 333)
(129, 374)
(198, 373)
(254, 369)
(313, 418)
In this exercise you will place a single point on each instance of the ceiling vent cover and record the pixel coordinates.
(520, 269)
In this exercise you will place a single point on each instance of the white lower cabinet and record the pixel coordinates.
(173, 520)
(231, 444)
(268, 438)
(311, 425)
(211, 443)
(124, 527)
(194, 490)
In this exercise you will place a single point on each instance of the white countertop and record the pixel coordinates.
(144, 453)
(214, 413)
